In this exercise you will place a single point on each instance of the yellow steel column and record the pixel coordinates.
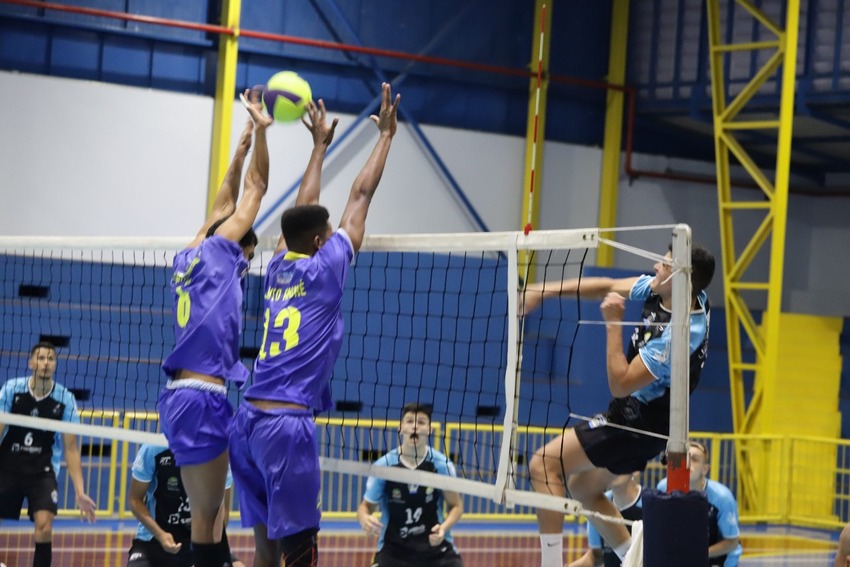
(612, 144)
(780, 199)
(535, 126)
(225, 87)
(737, 257)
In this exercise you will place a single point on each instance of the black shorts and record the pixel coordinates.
(40, 491)
(151, 554)
(615, 449)
(448, 559)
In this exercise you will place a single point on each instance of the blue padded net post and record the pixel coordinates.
(675, 529)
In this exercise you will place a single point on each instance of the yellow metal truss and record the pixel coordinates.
(772, 199)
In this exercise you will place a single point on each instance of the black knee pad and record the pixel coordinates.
(301, 549)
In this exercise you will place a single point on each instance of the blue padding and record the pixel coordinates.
(675, 529)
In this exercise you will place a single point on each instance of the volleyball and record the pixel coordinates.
(286, 96)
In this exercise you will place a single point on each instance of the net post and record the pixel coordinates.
(678, 475)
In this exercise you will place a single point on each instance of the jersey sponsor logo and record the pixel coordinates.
(404, 532)
(396, 494)
(284, 277)
(173, 484)
(136, 555)
(413, 488)
(54, 496)
(664, 355)
(31, 449)
(178, 520)
(34, 412)
(165, 461)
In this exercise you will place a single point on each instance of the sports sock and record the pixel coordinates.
(43, 555)
(301, 549)
(206, 554)
(622, 549)
(224, 550)
(551, 550)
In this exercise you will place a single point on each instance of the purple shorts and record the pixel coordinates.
(275, 463)
(195, 422)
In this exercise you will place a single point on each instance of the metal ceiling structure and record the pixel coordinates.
(466, 65)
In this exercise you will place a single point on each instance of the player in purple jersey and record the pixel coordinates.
(207, 285)
(30, 458)
(588, 457)
(275, 459)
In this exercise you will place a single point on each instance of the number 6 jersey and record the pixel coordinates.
(26, 451)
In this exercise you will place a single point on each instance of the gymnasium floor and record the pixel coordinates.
(342, 544)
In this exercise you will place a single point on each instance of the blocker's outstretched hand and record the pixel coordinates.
(387, 118)
(322, 133)
(252, 99)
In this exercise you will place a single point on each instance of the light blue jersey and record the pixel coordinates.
(652, 340)
(410, 511)
(165, 498)
(28, 451)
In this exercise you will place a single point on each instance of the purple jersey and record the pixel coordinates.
(207, 286)
(303, 325)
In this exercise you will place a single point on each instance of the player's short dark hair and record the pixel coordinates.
(248, 239)
(301, 224)
(42, 344)
(702, 267)
(416, 407)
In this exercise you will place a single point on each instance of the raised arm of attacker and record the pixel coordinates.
(587, 288)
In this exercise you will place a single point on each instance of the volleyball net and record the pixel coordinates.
(433, 319)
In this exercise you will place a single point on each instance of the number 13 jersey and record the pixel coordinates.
(303, 325)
